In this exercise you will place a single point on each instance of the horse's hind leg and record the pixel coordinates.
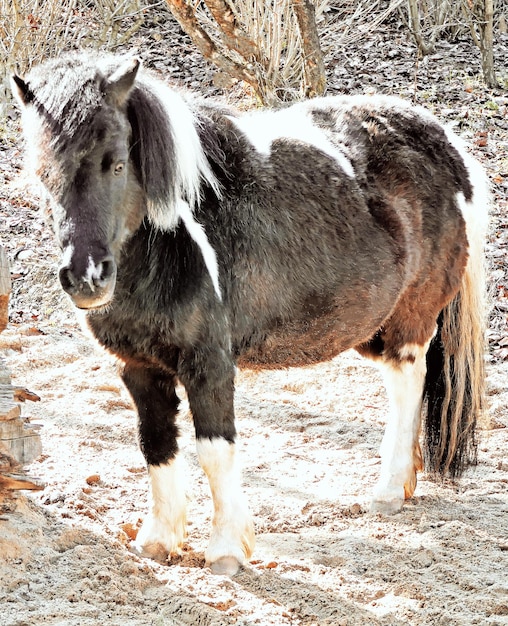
(164, 529)
(401, 456)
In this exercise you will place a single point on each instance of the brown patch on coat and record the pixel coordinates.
(410, 485)
(436, 259)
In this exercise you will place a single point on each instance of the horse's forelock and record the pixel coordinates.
(69, 97)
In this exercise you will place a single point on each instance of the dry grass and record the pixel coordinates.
(34, 30)
(274, 28)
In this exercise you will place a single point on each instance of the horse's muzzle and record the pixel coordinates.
(92, 288)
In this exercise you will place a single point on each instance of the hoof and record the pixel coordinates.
(155, 551)
(410, 487)
(386, 507)
(225, 566)
(159, 538)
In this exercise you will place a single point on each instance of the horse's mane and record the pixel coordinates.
(166, 149)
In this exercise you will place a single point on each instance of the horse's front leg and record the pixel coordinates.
(164, 529)
(208, 377)
(401, 456)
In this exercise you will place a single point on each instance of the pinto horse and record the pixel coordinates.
(198, 239)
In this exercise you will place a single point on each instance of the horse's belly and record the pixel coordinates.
(305, 342)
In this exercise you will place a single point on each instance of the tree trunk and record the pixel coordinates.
(224, 38)
(314, 67)
(487, 43)
(185, 15)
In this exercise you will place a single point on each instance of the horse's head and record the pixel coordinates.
(79, 143)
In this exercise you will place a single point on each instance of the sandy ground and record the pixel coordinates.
(309, 444)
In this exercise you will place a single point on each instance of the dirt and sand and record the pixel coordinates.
(309, 443)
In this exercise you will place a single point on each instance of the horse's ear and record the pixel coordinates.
(21, 90)
(119, 84)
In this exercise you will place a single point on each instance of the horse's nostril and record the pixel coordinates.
(106, 271)
(67, 280)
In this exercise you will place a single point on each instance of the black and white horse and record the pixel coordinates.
(198, 239)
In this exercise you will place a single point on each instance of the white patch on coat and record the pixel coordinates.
(404, 385)
(232, 529)
(262, 128)
(412, 351)
(197, 232)
(475, 211)
(93, 272)
(408, 351)
(165, 524)
(67, 256)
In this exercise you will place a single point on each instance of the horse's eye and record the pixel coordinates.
(119, 168)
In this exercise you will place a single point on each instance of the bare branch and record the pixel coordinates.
(233, 35)
(423, 46)
(186, 17)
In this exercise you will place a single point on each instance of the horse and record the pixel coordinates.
(198, 239)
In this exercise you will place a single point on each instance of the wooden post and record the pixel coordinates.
(19, 444)
(5, 289)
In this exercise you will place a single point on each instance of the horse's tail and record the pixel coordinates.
(454, 389)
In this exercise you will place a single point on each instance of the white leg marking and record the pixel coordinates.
(196, 231)
(164, 529)
(232, 529)
(404, 385)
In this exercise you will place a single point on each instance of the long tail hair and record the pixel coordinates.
(454, 390)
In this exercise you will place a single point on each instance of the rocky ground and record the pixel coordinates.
(309, 438)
